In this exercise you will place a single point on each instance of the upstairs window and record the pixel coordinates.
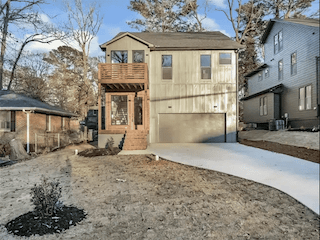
(278, 42)
(205, 62)
(225, 58)
(119, 56)
(305, 98)
(280, 70)
(294, 63)
(266, 72)
(167, 67)
(260, 76)
(138, 56)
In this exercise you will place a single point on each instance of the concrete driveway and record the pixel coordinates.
(296, 177)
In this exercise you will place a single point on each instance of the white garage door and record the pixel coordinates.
(192, 127)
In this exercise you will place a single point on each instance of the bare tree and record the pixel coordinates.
(17, 12)
(31, 77)
(287, 8)
(83, 25)
(46, 35)
(167, 15)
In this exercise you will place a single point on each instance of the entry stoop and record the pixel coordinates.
(135, 140)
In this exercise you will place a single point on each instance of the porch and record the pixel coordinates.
(124, 104)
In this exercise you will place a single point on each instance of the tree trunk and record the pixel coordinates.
(17, 150)
(4, 41)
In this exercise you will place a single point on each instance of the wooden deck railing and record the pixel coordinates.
(123, 72)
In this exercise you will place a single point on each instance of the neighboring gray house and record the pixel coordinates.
(287, 84)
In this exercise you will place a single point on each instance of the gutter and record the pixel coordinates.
(38, 110)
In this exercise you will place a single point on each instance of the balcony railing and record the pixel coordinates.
(123, 72)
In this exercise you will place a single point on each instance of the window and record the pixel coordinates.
(278, 42)
(119, 56)
(266, 73)
(5, 121)
(13, 121)
(263, 106)
(205, 62)
(280, 70)
(138, 56)
(294, 63)
(225, 58)
(62, 123)
(305, 98)
(166, 66)
(260, 76)
(119, 110)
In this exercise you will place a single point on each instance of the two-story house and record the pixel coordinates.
(168, 88)
(286, 86)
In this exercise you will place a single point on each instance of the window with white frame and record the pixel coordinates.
(5, 120)
(278, 42)
(305, 98)
(266, 73)
(205, 63)
(280, 70)
(294, 63)
(263, 106)
(260, 76)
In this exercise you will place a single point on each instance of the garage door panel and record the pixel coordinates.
(197, 128)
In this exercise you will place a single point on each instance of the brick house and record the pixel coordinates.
(287, 85)
(168, 88)
(24, 116)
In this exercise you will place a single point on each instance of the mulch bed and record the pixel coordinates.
(95, 152)
(32, 223)
(298, 152)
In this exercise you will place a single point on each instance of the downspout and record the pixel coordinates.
(28, 129)
(318, 90)
(237, 97)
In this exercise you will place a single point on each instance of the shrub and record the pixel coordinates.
(45, 197)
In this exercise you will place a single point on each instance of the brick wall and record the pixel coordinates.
(56, 124)
(74, 124)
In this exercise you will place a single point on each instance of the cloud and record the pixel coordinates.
(47, 47)
(45, 18)
(209, 23)
(218, 3)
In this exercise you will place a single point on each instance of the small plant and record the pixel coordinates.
(45, 197)
(110, 143)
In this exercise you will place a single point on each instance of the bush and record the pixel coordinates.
(45, 197)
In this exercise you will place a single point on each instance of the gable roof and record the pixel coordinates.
(307, 22)
(275, 89)
(12, 101)
(180, 40)
(258, 69)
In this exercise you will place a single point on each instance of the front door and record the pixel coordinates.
(125, 110)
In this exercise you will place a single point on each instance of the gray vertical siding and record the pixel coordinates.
(304, 40)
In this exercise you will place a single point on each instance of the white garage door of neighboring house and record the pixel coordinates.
(192, 127)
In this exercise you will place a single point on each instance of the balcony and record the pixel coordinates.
(112, 73)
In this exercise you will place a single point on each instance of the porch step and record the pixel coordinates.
(135, 140)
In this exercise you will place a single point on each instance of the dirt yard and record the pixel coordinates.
(136, 197)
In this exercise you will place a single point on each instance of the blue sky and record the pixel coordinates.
(115, 15)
